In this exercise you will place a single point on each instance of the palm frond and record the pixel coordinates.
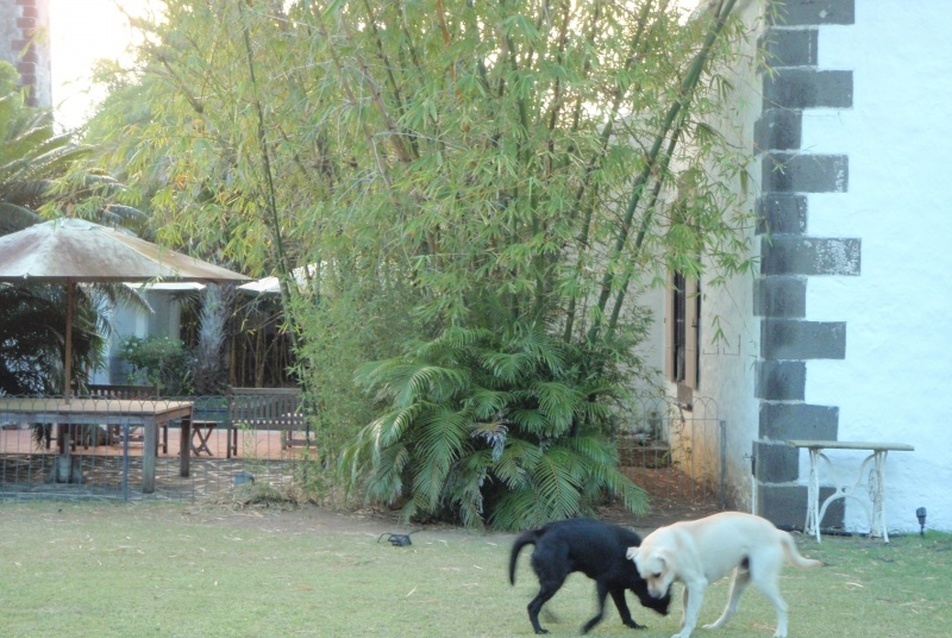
(557, 477)
(634, 498)
(434, 383)
(518, 509)
(486, 403)
(404, 382)
(465, 486)
(26, 192)
(385, 483)
(441, 437)
(393, 425)
(532, 421)
(508, 367)
(600, 460)
(558, 401)
(544, 349)
(457, 338)
(511, 465)
(117, 213)
(595, 450)
(14, 218)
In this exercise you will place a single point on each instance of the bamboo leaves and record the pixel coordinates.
(485, 183)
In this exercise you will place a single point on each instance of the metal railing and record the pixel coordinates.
(680, 449)
(94, 447)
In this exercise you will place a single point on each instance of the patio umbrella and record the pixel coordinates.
(71, 251)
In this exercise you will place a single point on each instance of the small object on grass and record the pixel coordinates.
(397, 540)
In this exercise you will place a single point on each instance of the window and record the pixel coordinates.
(684, 312)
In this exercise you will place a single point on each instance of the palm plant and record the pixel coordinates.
(32, 157)
(507, 428)
(31, 338)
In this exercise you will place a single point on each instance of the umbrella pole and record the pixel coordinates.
(70, 309)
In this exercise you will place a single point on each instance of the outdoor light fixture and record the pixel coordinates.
(921, 515)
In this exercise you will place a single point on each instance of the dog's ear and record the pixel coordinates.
(632, 553)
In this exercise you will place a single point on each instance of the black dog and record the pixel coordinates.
(597, 550)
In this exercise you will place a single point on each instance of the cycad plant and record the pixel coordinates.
(508, 428)
(209, 369)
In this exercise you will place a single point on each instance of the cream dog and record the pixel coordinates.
(700, 552)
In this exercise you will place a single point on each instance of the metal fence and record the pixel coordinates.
(675, 452)
(95, 447)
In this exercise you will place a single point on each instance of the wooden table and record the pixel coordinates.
(149, 414)
(872, 479)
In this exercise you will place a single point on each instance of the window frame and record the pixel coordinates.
(683, 335)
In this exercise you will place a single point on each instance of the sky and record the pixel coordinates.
(81, 32)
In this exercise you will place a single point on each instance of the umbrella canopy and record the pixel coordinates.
(79, 250)
(272, 285)
(74, 250)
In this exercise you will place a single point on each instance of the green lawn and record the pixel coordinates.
(174, 570)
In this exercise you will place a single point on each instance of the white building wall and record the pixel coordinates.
(890, 386)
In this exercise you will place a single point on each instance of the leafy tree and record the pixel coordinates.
(473, 177)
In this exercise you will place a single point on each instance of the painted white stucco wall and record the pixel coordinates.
(892, 384)
(726, 364)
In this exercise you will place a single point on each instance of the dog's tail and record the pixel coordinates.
(793, 554)
(526, 538)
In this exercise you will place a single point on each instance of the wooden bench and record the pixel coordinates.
(247, 408)
(269, 409)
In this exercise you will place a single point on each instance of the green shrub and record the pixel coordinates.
(162, 362)
(508, 428)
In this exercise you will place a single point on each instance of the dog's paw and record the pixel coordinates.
(634, 625)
